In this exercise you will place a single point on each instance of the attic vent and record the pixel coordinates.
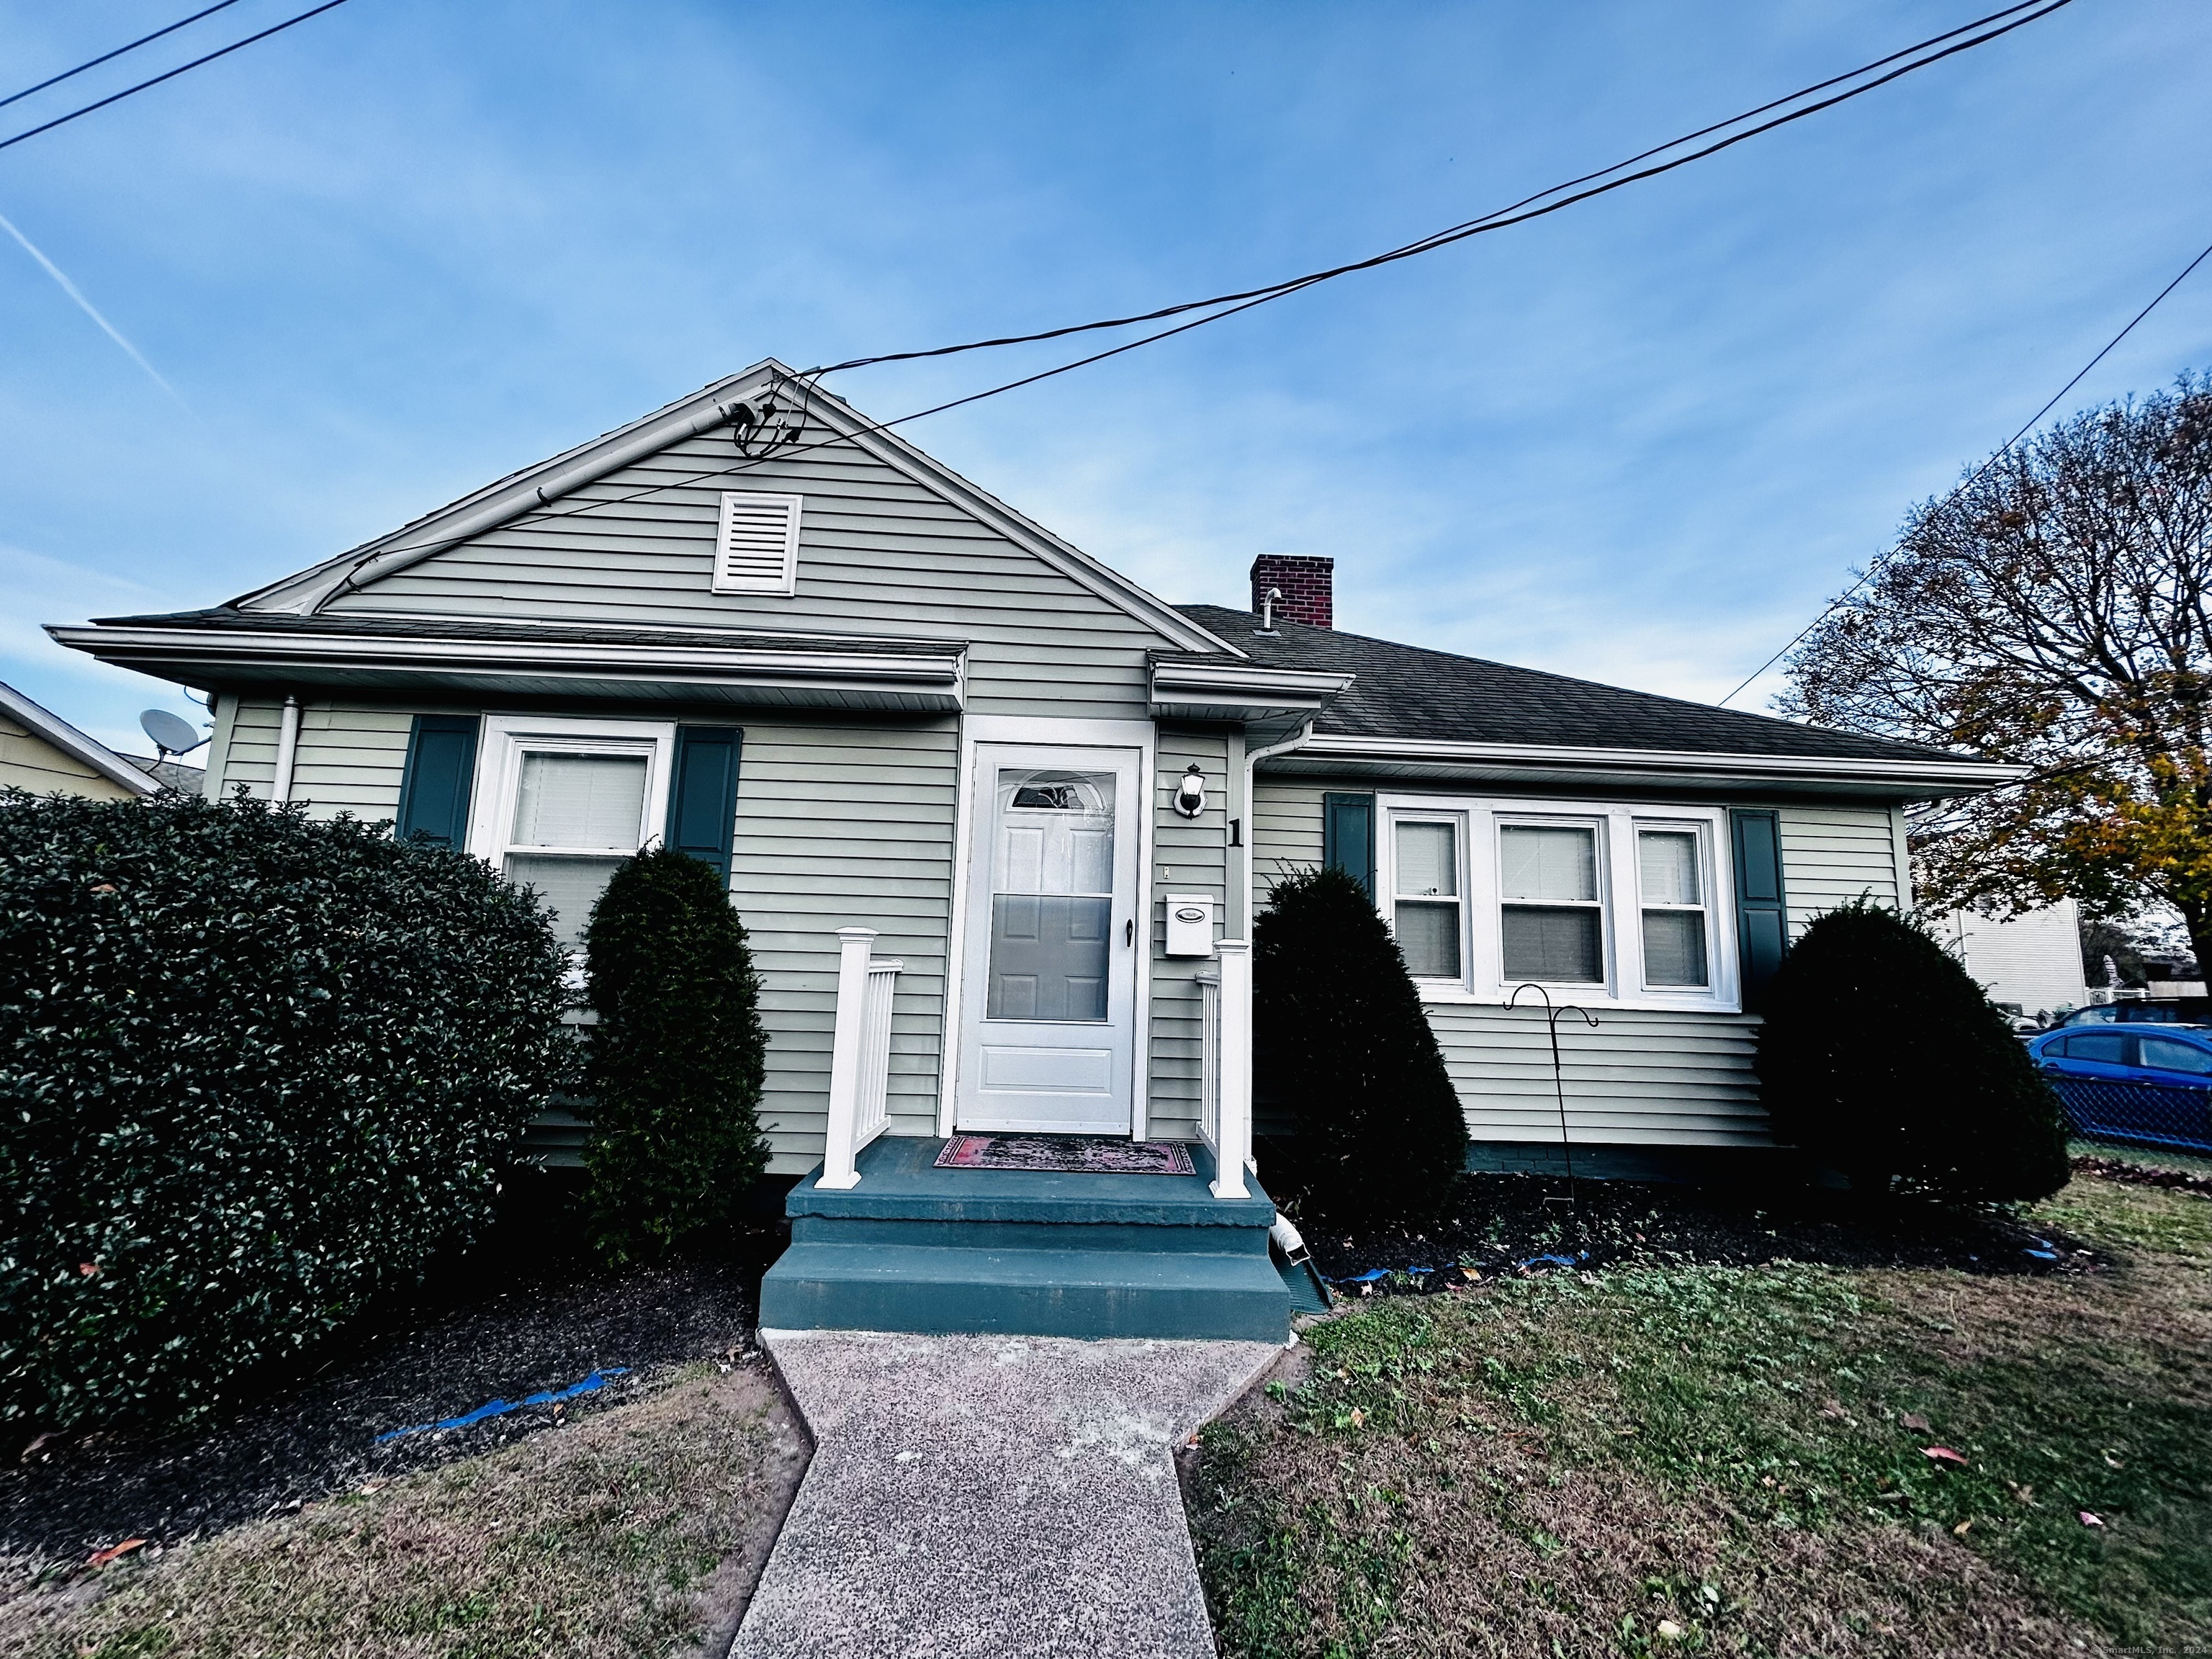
(758, 549)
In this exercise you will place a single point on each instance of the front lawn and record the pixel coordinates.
(1671, 1456)
(639, 1528)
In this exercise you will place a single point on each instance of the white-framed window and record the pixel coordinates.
(560, 802)
(1602, 902)
(1427, 914)
(1676, 922)
(756, 543)
(1550, 903)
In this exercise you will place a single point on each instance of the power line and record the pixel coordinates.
(170, 75)
(95, 62)
(1500, 218)
(1971, 478)
(1245, 301)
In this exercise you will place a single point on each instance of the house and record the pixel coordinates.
(44, 754)
(998, 820)
(2029, 963)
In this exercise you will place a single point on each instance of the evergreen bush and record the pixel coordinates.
(1881, 1059)
(677, 1057)
(253, 1070)
(1341, 1041)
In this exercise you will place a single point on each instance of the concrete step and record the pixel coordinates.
(1169, 1238)
(1032, 1292)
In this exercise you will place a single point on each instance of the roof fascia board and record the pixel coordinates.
(56, 732)
(506, 499)
(1965, 775)
(239, 647)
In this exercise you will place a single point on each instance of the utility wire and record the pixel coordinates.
(1970, 479)
(1513, 214)
(95, 62)
(1233, 303)
(169, 75)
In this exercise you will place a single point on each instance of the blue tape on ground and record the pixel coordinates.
(591, 1384)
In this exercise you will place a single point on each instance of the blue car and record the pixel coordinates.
(2129, 1082)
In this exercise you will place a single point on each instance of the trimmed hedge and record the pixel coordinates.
(1340, 1037)
(677, 1058)
(1881, 1059)
(253, 1070)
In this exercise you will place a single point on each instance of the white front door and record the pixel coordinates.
(1048, 1006)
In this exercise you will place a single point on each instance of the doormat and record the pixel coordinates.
(1066, 1154)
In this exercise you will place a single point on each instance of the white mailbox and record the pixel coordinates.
(1190, 925)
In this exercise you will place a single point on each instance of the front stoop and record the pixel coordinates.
(1006, 1252)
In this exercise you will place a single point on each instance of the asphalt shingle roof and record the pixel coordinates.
(1406, 691)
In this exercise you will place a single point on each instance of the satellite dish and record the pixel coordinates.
(171, 735)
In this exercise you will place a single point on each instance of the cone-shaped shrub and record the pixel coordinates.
(1880, 1058)
(1342, 1043)
(676, 1058)
(253, 1070)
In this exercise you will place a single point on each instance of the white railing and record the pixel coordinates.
(1224, 1113)
(860, 1055)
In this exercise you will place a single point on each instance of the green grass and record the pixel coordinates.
(1587, 1434)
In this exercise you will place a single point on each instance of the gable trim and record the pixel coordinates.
(505, 500)
(57, 733)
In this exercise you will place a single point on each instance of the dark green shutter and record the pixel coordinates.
(1347, 836)
(1762, 924)
(702, 802)
(434, 793)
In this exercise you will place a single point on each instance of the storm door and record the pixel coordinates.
(1048, 1005)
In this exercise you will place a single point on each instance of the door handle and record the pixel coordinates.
(1129, 930)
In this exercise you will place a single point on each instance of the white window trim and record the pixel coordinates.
(726, 580)
(1619, 896)
(507, 738)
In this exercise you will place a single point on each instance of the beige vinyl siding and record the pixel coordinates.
(878, 554)
(1832, 854)
(1189, 855)
(845, 826)
(28, 762)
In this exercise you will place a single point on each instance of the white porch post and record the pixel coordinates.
(853, 946)
(1234, 1136)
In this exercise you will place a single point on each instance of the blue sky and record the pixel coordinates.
(408, 246)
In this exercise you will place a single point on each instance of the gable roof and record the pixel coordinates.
(1408, 692)
(535, 487)
(57, 733)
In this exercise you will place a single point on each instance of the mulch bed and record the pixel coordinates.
(1515, 1223)
(527, 1312)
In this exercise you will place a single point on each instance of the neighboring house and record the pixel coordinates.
(875, 697)
(43, 753)
(2029, 964)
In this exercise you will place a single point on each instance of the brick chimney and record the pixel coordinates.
(1307, 584)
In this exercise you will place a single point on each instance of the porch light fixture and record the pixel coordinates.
(1190, 796)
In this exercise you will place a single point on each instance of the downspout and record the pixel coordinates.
(288, 748)
(1252, 759)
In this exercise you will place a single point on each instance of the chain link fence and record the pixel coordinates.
(2137, 1113)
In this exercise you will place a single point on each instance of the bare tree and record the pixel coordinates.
(2053, 612)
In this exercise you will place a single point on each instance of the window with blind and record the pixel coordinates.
(1605, 903)
(1427, 896)
(563, 803)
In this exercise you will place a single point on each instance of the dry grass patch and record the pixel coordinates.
(632, 1533)
(1732, 1460)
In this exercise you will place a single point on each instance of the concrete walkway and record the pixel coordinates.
(1013, 1496)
